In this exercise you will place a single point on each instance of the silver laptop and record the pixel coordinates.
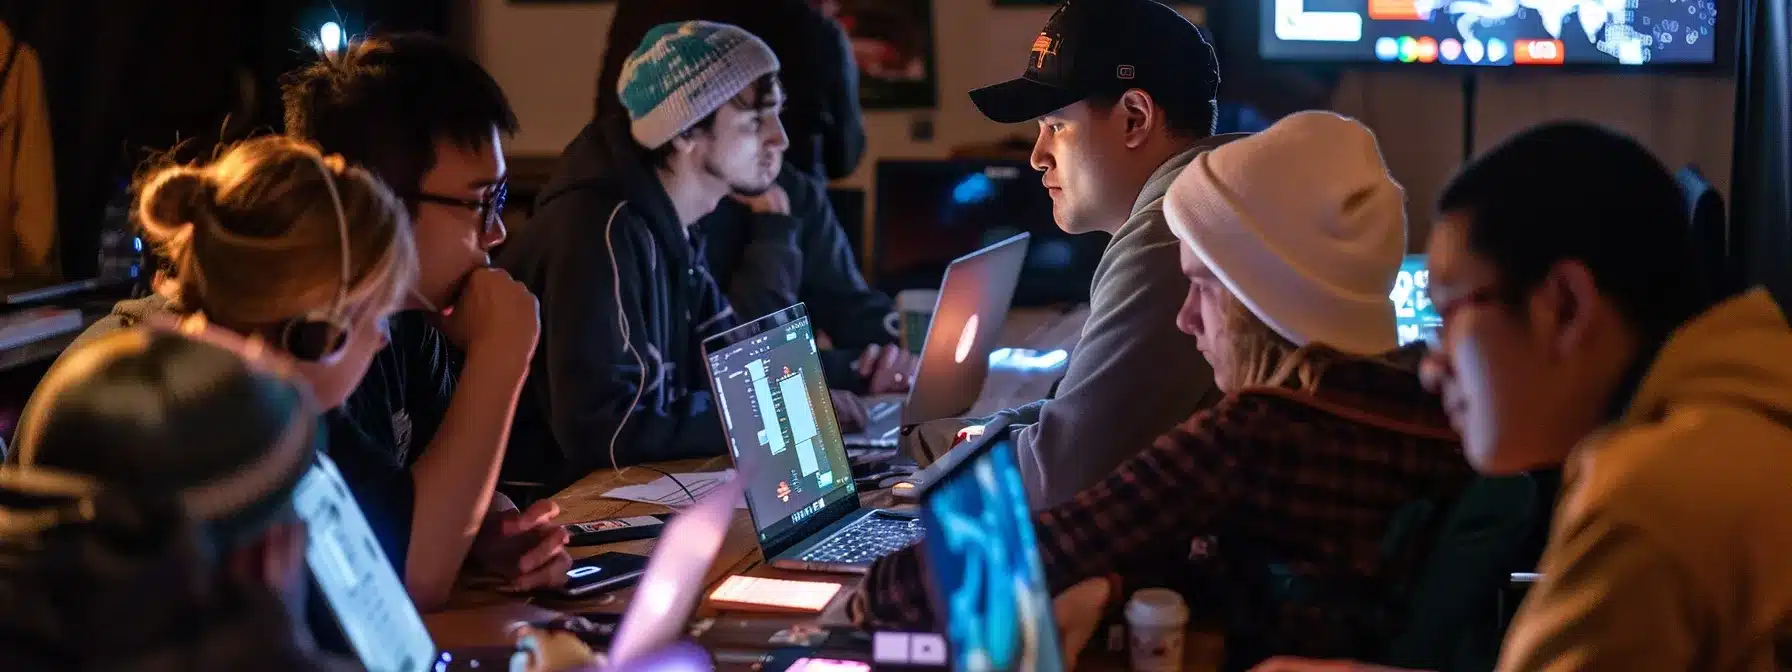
(781, 428)
(974, 300)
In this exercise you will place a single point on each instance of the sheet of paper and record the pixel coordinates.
(665, 492)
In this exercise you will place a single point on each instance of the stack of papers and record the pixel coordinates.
(664, 491)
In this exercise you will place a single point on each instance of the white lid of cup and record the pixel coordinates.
(1156, 606)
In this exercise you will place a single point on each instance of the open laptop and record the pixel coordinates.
(660, 611)
(780, 426)
(364, 596)
(974, 299)
(984, 574)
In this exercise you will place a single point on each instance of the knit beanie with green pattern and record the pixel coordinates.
(683, 72)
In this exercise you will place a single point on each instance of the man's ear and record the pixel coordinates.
(1141, 115)
(686, 142)
(1573, 299)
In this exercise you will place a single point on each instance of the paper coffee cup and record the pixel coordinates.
(1157, 623)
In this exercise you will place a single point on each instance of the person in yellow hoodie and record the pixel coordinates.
(1577, 331)
(27, 177)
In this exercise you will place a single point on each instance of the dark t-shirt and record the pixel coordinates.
(378, 434)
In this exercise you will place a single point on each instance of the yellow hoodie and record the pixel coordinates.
(1672, 544)
(27, 172)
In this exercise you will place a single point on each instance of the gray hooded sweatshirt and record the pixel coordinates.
(1134, 375)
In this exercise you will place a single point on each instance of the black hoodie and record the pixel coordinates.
(851, 313)
(620, 277)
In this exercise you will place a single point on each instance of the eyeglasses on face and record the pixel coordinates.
(490, 208)
(1434, 334)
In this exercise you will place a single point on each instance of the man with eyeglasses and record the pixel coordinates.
(1578, 332)
(431, 420)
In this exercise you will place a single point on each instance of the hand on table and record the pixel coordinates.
(890, 369)
(849, 410)
(525, 548)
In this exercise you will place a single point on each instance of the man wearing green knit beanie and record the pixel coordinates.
(626, 298)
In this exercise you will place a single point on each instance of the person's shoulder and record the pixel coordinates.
(1142, 256)
(576, 226)
(125, 314)
(1235, 413)
(1696, 467)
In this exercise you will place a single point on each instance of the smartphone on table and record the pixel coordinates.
(602, 572)
(613, 530)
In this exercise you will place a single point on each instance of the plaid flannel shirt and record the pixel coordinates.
(1311, 480)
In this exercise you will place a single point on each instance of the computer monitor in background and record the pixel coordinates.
(1413, 312)
(1649, 33)
(930, 212)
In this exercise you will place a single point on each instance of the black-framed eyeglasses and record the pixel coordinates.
(490, 208)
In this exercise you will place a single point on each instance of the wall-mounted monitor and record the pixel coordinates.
(1414, 315)
(1497, 33)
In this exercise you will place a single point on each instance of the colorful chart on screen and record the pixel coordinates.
(1493, 32)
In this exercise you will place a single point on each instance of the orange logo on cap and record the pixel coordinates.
(1043, 47)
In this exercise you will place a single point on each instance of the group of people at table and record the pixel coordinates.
(1237, 389)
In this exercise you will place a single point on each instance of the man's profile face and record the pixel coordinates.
(1492, 364)
(452, 241)
(1077, 150)
(745, 146)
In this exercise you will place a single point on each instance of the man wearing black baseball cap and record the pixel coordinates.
(1124, 94)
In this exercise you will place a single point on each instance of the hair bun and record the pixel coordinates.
(178, 198)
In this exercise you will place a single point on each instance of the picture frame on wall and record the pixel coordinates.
(892, 40)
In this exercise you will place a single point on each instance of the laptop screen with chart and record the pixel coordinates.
(779, 419)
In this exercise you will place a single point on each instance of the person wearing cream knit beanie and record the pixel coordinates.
(1290, 484)
(1303, 225)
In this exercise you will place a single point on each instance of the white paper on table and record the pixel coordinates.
(664, 492)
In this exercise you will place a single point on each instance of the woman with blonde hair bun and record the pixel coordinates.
(275, 241)
(303, 256)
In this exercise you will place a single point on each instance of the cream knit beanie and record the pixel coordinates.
(1304, 225)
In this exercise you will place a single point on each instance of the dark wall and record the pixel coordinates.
(130, 79)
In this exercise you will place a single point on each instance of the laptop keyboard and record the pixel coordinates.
(870, 539)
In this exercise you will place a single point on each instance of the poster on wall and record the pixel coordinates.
(893, 42)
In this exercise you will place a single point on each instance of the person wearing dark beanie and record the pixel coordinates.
(220, 588)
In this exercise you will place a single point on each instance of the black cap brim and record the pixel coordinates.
(1020, 100)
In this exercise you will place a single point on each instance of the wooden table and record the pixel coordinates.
(478, 617)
